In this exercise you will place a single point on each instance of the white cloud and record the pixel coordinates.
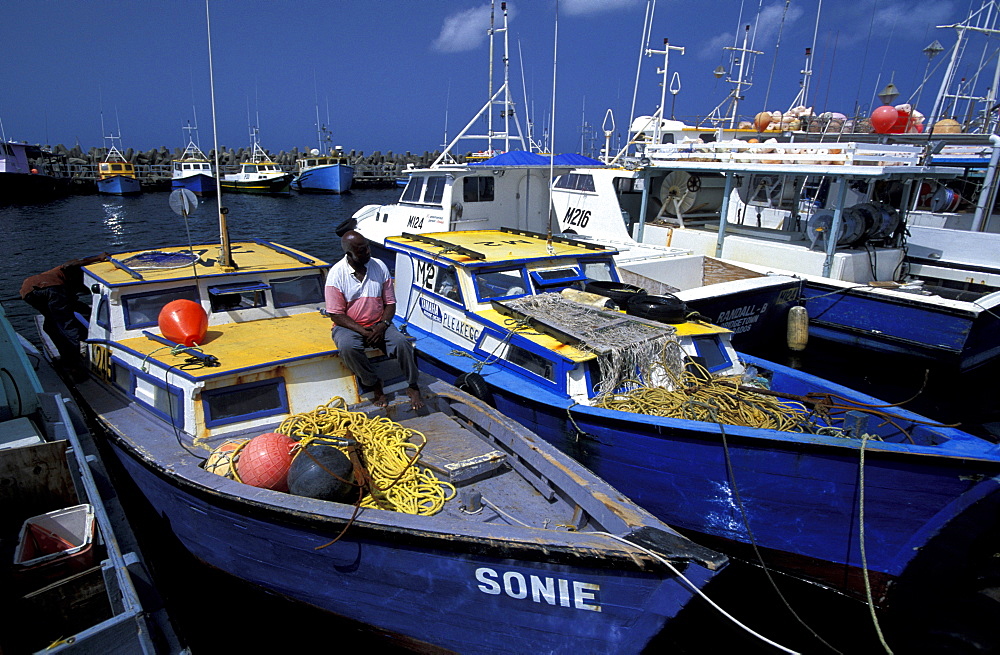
(579, 7)
(464, 31)
(762, 37)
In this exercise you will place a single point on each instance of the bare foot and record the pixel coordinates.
(378, 397)
(416, 402)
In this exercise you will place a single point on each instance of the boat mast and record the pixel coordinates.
(807, 71)
(506, 102)
(982, 21)
(736, 94)
(225, 251)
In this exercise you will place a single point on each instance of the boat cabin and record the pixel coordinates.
(464, 288)
(244, 371)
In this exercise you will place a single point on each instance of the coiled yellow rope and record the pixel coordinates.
(696, 396)
(391, 458)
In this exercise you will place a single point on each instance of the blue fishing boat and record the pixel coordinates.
(73, 574)
(330, 173)
(489, 520)
(835, 487)
(193, 171)
(116, 175)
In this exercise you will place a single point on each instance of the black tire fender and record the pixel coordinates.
(475, 385)
(666, 309)
(620, 292)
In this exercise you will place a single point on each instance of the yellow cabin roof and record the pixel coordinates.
(248, 345)
(543, 340)
(495, 246)
(250, 258)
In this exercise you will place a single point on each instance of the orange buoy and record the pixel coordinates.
(762, 120)
(264, 461)
(223, 459)
(183, 321)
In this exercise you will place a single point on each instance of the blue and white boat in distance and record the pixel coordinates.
(929, 494)
(193, 172)
(329, 173)
(533, 553)
(116, 175)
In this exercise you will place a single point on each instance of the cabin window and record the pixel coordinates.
(290, 291)
(477, 189)
(244, 402)
(532, 362)
(575, 181)
(711, 351)
(446, 284)
(143, 309)
(413, 189)
(121, 376)
(104, 313)
(598, 270)
(500, 284)
(435, 189)
(155, 395)
(245, 295)
(557, 279)
(187, 167)
(117, 167)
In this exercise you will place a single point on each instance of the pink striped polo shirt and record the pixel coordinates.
(362, 300)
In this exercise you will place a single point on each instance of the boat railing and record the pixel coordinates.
(830, 154)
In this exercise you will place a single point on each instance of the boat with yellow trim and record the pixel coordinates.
(500, 523)
(116, 175)
(645, 404)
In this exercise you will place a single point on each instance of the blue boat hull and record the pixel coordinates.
(119, 186)
(443, 590)
(795, 497)
(960, 338)
(336, 178)
(200, 185)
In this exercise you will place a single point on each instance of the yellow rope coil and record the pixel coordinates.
(716, 400)
(389, 453)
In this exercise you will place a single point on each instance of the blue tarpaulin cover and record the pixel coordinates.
(573, 159)
(515, 158)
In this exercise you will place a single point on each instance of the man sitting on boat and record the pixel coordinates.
(361, 300)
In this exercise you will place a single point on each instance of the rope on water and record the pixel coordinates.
(388, 451)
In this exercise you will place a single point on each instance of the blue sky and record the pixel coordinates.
(388, 73)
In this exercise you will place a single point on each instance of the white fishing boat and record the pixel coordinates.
(258, 174)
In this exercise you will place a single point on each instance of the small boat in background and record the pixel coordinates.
(324, 173)
(72, 574)
(193, 171)
(116, 175)
(260, 174)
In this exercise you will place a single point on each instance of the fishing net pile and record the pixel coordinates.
(631, 353)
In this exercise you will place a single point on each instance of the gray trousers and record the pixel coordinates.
(352, 350)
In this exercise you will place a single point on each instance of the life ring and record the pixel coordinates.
(619, 292)
(666, 309)
(475, 385)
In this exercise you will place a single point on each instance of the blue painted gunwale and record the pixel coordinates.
(426, 566)
(119, 185)
(891, 324)
(330, 178)
(676, 469)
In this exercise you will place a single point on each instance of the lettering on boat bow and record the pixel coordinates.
(567, 593)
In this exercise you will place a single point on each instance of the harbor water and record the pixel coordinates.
(215, 613)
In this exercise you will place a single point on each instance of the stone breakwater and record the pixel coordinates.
(162, 156)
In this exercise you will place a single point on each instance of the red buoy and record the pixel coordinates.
(884, 119)
(183, 321)
(265, 460)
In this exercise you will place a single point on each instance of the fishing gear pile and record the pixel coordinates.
(631, 352)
